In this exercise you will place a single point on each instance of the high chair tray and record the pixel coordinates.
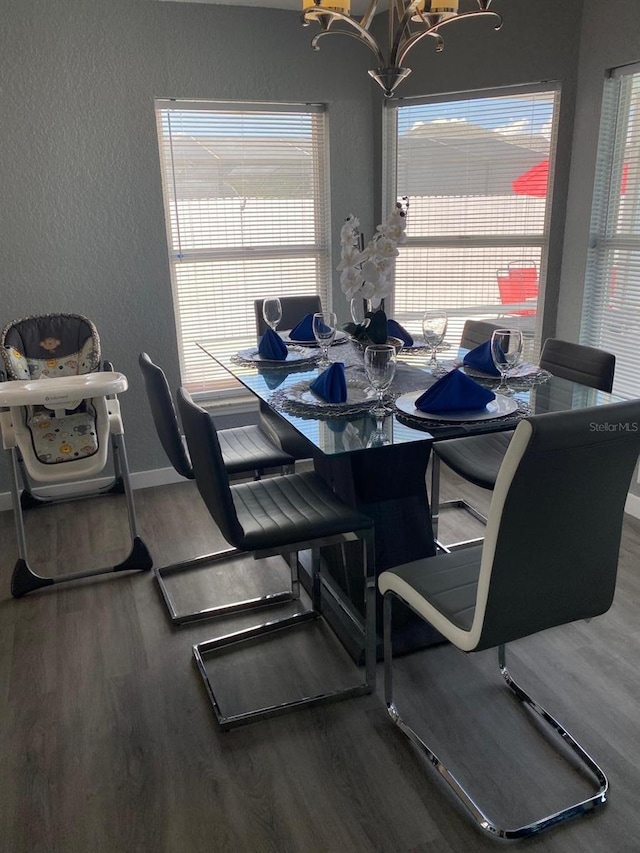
(56, 392)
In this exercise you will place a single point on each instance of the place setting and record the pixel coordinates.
(342, 391)
(498, 364)
(457, 398)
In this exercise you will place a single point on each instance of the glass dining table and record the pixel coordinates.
(379, 465)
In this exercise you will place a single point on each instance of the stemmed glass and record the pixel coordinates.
(324, 329)
(272, 312)
(434, 328)
(506, 352)
(380, 367)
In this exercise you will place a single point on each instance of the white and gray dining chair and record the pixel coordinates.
(245, 451)
(478, 458)
(539, 567)
(277, 516)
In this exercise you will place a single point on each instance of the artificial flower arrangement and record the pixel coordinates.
(367, 273)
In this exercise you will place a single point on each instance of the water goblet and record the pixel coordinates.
(272, 312)
(380, 367)
(434, 328)
(324, 329)
(506, 352)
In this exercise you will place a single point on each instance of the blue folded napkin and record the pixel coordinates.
(331, 385)
(303, 331)
(455, 392)
(272, 346)
(481, 359)
(395, 330)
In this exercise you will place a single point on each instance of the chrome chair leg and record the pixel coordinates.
(202, 650)
(476, 812)
(459, 503)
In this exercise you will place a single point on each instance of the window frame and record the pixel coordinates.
(215, 383)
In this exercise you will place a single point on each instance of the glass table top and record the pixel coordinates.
(350, 428)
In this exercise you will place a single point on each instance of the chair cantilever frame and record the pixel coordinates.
(281, 515)
(478, 458)
(539, 567)
(245, 450)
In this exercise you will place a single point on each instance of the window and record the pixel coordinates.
(611, 309)
(477, 170)
(246, 203)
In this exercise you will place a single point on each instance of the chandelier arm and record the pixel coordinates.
(404, 27)
(434, 31)
(367, 18)
(361, 34)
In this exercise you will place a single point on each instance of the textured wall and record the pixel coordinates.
(81, 215)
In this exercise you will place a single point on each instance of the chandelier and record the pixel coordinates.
(409, 22)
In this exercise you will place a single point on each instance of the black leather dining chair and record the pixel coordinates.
(540, 566)
(294, 308)
(478, 458)
(280, 515)
(245, 451)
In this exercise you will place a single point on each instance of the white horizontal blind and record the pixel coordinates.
(246, 204)
(611, 308)
(478, 171)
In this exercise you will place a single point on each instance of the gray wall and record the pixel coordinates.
(81, 218)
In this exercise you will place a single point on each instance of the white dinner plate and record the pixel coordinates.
(359, 393)
(497, 408)
(341, 338)
(293, 357)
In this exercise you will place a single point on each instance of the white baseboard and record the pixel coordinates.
(140, 480)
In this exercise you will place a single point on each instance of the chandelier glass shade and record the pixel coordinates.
(410, 21)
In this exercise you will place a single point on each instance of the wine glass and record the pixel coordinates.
(324, 330)
(380, 367)
(506, 352)
(434, 328)
(272, 312)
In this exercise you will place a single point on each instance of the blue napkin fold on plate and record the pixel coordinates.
(480, 358)
(395, 330)
(303, 331)
(331, 385)
(455, 392)
(272, 346)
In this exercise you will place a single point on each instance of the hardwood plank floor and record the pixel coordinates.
(109, 742)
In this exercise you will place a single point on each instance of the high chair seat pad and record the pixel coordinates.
(63, 439)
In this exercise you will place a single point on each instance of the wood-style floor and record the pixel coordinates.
(109, 744)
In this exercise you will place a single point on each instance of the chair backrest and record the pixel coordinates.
(550, 553)
(586, 365)
(476, 332)
(294, 308)
(164, 415)
(50, 345)
(208, 467)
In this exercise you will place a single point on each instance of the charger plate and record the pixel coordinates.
(498, 408)
(294, 356)
(341, 338)
(299, 399)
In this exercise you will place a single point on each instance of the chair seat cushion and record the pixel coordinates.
(441, 589)
(63, 439)
(248, 448)
(290, 509)
(477, 458)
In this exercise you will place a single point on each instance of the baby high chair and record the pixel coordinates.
(62, 415)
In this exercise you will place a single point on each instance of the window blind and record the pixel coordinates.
(477, 169)
(246, 204)
(611, 307)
